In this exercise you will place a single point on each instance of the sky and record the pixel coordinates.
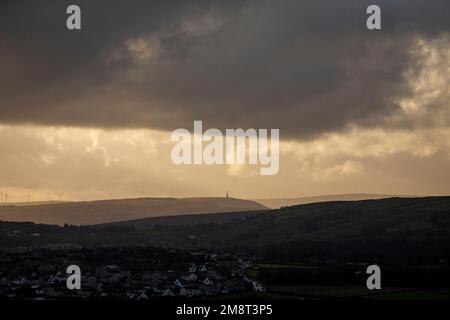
(88, 114)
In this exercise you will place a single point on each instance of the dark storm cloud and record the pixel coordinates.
(306, 67)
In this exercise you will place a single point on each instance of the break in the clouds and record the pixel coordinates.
(306, 67)
(82, 164)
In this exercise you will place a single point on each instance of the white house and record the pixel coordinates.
(142, 296)
(207, 282)
(190, 278)
(178, 283)
(167, 293)
(193, 268)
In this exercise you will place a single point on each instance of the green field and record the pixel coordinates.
(264, 272)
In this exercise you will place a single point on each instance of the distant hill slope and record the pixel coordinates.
(283, 202)
(105, 211)
(35, 203)
(183, 220)
(414, 225)
(384, 225)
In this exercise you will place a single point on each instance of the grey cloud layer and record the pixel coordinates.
(306, 67)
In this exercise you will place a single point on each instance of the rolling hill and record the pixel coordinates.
(417, 227)
(35, 203)
(105, 211)
(283, 202)
(344, 220)
(182, 220)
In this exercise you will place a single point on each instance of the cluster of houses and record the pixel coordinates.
(136, 273)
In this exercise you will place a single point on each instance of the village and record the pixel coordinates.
(130, 273)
